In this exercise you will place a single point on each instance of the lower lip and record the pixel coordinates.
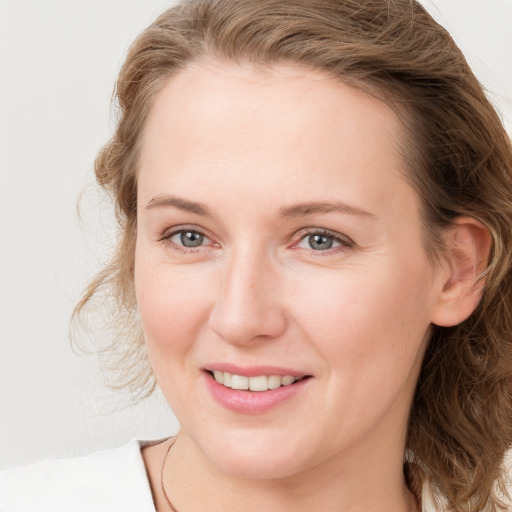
(252, 402)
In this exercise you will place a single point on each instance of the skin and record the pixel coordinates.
(249, 144)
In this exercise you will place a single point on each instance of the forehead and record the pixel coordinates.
(266, 127)
(238, 94)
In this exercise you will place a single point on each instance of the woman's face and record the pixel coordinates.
(278, 237)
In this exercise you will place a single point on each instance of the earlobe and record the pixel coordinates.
(468, 246)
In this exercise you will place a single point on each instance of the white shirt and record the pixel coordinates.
(106, 481)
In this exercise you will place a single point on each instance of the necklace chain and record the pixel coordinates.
(173, 509)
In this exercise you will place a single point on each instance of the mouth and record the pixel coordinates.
(253, 390)
(259, 383)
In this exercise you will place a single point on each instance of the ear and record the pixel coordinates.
(468, 245)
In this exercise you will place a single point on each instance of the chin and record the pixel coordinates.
(255, 460)
(252, 468)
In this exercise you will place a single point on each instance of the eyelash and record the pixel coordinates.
(343, 241)
(169, 234)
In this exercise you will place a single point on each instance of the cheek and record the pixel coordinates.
(172, 309)
(370, 331)
(370, 320)
(171, 305)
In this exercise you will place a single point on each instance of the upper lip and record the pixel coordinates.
(254, 370)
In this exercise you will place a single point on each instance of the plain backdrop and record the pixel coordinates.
(58, 63)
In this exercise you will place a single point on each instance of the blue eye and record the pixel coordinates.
(188, 238)
(320, 242)
(323, 241)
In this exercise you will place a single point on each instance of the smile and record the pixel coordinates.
(254, 389)
(258, 383)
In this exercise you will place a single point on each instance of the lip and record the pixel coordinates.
(253, 402)
(254, 371)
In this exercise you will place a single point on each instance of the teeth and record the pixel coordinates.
(239, 382)
(287, 380)
(260, 383)
(274, 382)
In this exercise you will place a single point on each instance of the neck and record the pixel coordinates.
(354, 484)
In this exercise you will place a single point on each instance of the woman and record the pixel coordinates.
(315, 205)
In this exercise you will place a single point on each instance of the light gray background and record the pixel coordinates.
(58, 63)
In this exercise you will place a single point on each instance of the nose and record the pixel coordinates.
(248, 305)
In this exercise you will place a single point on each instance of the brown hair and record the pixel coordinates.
(460, 162)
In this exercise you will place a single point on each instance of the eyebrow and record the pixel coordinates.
(181, 204)
(296, 210)
(322, 207)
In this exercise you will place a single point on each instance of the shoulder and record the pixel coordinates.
(109, 480)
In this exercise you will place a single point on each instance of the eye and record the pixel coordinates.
(322, 240)
(188, 238)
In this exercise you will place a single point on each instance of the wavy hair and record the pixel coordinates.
(459, 160)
